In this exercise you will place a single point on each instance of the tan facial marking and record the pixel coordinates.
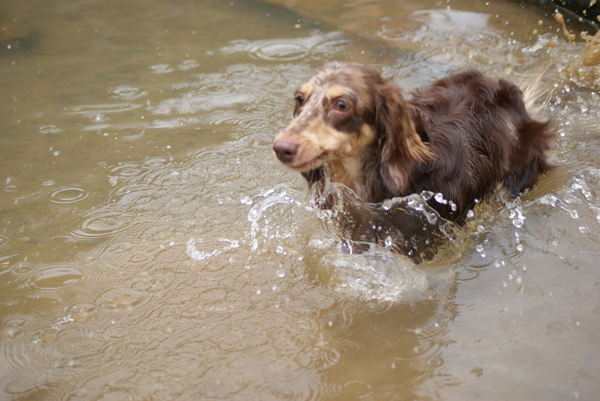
(335, 91)
(306, 89)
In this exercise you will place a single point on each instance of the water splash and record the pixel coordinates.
(264, 210)
(407, 225)
(193, 252)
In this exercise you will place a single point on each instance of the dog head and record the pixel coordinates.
(344, 116)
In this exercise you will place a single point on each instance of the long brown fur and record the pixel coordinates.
(463, 137)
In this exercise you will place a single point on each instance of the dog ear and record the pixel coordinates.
(401, 146)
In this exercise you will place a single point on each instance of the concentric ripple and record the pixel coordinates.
(49, 129)
(54, 276)
(128, 92)
(101, 223)
(68, 195)
(289, 49)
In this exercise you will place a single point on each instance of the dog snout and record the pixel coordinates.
(285, 150)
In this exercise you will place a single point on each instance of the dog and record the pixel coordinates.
(462, 137)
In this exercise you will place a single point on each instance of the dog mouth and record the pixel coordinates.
(309, 165)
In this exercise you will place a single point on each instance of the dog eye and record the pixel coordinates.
(341, 105)
(299, 100)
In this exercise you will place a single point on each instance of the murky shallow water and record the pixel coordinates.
(151, 248)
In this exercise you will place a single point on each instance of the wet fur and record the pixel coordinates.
(464, 136)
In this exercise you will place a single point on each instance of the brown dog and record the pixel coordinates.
(463, 137)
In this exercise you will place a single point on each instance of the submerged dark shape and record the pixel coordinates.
(406, 225)
(462, 137)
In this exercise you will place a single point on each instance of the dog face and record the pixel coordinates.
(333, 121)
(351, 119)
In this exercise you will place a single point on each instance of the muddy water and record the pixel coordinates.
(152, 249)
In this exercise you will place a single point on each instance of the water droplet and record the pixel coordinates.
(439, 198)
(388, 242)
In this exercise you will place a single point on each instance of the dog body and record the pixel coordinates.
(462, 137)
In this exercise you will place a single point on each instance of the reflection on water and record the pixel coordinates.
(152, 248)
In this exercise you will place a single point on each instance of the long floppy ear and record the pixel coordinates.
(401, 146)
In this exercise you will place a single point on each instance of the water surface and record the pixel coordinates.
(151, 248)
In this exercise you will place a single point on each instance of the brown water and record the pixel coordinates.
(151, 248)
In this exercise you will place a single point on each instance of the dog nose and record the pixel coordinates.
(285, 150)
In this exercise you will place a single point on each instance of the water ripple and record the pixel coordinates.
(54, 276)
(377, 274)
(161, 68)
(4, 241)
(68, 195)
(128, 92)
(118, 298)
(49, 129)
(92, 111)
(101, 223)
(197, 254)
(289, 49)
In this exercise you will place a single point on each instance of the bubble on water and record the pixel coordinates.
(246, 200)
